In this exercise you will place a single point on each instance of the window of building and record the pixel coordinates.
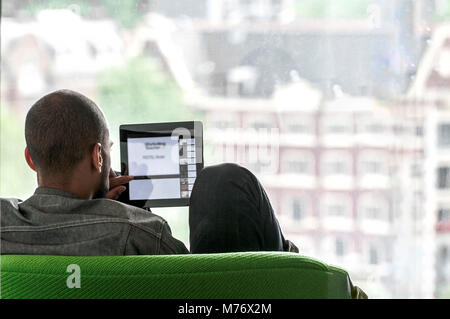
(373, 207)
(368, 124)
(419, 130)
(260, 122)
(373, 163)
(443, 178)
(337, 124)
(297, 207)
(444, 215)
(297, 162)
(375, 252)
(222, 120)
(417, 170)
(337, 205)
(444, 135)
(297, 210)
(443, 254)
(340, 248)
(337, 163)
(373, 255)
(417, 207)
(299, 124)
(320, 71)
(336, 209)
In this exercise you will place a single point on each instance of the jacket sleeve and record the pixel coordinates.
(169, 244)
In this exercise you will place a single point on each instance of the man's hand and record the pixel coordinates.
(116, 184)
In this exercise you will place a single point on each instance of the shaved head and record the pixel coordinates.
(61, 128)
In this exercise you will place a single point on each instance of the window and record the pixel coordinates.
(443, 178)
(336, 209)
(300, 166)
(416, 211)
(300, 124)
(260, 122)
(373, 207)
(337, 124)
(373, 163)
(340, 247)
(337, 205)
(222, 120)
(444, 254)
(297, 210)
(444, 135)
(355, 90)
(338, 163)
(419, 130)
(368, 124)
(444, 215)
(373, 255)
(298, 162)
(417, 170)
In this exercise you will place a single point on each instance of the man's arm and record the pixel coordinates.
(142, 240)
(169, 244)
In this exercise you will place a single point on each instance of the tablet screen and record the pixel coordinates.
(164, 164)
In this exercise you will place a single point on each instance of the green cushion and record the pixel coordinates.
(231, 275)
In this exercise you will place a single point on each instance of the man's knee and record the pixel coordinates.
(225, 170)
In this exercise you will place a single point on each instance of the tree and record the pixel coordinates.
(139, 92)
(332, 8)
(127, 13)
(16, 178)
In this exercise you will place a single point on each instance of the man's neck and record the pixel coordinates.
(74, 184)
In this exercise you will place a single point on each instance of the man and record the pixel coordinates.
(73, 211)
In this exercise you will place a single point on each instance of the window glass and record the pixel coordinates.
(373, 163)
(300, 124)
(374, 207)
(344, 100)
(373, 255)
(336, 205)
(336, 163)
(337, 124)
(444, 135)
(340, 247)
(298, 162)
(443, 177)
(223, 121)
(444, 215)
(297, 210)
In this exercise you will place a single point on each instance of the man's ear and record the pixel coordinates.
(29, 160)
(96, 157)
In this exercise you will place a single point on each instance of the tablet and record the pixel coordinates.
(164, 159)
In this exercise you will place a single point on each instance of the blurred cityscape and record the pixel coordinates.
(341, 108)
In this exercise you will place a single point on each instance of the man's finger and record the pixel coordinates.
(114, 193)
(119, 180)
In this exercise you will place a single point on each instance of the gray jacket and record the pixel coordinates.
(55, 222)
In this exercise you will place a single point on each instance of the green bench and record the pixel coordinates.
(222, 276)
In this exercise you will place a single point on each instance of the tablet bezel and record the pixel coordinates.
(195, 129)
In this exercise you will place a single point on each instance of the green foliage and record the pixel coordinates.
(78, 6)
(139, 92)
(16, 178)
(125, 12)
(332, 8)
(443, 13)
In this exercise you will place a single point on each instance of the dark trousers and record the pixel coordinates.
(230, 212)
